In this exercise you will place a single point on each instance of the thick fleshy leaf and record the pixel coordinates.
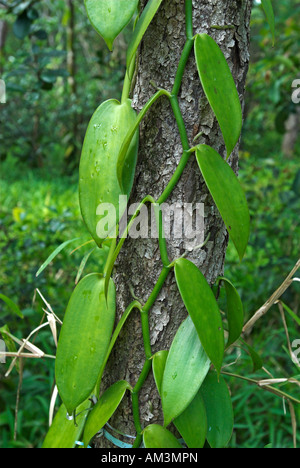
(192, 423)
(203, 309)
(109, 17)
(158, 366)
(268, 9)
(141, 27)
(104, 409)
(54, 254)
(64, 433)
(228, 195)
(186, 367)
(220, 89)
(235, 312)
(13, 307)
(219, 410)
(99, 189)
(84, 340)
(157, 437)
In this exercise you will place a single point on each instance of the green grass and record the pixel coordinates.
(272, 188)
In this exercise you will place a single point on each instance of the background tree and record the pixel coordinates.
(41, 74)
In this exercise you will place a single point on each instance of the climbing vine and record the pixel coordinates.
(188, 376)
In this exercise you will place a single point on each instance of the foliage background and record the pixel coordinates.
(57, 70)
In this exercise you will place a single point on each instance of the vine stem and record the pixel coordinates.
(173, 97)
(161, 235)
(128, 80)
(126, 89)
(189, 19)
(148, 352)
(110, 255)
(132, 131)
(186, 151)
(175, 104)
(163, 248)
(109, 266)
(126, 314)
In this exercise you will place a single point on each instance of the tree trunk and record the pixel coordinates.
(139, 263)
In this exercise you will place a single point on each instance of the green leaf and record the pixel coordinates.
(228, 195)
(186, 367)
(219, 410)
(268, 9)
(158, 366)
(291, 313)
(192, 423)
(64, 433)
(157, 437)
(256, 359)
(22, 26)
(220, 89)
(13, 307)
(235, 312)
(54, 254)
(104, 409)
(99, 188)
(109, 17)
(84, 340)
(141, 27)
(203, 309)
(82, 265)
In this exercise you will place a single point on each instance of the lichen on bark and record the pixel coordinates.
(139, 263)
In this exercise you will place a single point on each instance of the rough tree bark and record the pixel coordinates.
(139, 264)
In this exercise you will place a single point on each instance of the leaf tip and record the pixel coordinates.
(110, 44)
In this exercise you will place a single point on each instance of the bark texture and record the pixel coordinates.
(139, 264)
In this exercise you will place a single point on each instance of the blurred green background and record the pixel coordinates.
(57, 71)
